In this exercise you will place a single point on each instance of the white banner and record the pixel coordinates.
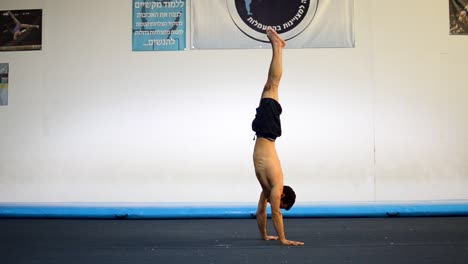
(231, 24)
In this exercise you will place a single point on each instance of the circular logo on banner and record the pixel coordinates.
(288, 17)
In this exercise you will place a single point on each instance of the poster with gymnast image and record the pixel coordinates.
(159, 25)
(458, 17)
(21, 30)
(3, 84)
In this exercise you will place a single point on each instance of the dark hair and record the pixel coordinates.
(289, 197)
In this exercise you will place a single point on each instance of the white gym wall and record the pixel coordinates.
(89, 120)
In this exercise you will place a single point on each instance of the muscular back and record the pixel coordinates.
(267, 165)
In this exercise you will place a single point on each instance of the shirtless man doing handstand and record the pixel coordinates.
(267, 164)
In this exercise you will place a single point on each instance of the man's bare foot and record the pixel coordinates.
(275, 38)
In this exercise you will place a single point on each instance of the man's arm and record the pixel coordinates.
(262, 218)
(277, 216)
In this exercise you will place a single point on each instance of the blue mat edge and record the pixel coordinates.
(239, 211)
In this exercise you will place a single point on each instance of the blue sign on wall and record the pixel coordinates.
(3, 83)
(159, 25)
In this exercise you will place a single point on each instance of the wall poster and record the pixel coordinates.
(458, 17)
(3, 84)
(21, 30)
(241, 24)
(159, 25)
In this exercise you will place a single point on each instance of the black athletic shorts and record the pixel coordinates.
(267, 121)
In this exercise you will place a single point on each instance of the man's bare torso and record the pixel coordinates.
(267, 165)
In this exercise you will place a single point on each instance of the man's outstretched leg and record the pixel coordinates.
(276, 66)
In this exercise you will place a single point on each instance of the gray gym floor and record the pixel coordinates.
(327, 240)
